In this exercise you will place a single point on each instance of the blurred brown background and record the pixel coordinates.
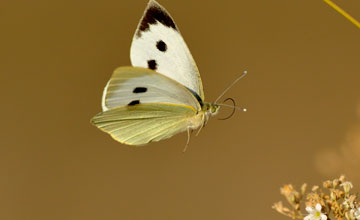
(302, 125)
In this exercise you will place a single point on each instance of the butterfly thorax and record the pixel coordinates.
(202, 116)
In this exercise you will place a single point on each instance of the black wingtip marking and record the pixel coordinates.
(135, 102)
(152, 64)
(161, 45)
(140, 90)
(154, 13)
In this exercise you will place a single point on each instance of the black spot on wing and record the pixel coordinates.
(155, 13)
(152, 64)
(161, 45)
(135, 102)
(139, 90)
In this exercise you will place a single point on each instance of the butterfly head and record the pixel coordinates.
(211, 108)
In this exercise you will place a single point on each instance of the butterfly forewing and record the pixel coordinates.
(129, 86)
(158, 45)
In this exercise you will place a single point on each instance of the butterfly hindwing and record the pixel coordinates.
(134, 85)
(158, 45)
(143, 123)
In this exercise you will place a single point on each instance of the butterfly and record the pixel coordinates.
(161, 94)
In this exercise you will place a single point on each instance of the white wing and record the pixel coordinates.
(144, 123)
(130, 86)
(158, 45)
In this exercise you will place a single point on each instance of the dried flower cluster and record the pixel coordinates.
(331, 201)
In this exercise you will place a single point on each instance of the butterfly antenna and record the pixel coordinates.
(231, 85)
(234, 107)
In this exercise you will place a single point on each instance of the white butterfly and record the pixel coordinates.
(162, 94)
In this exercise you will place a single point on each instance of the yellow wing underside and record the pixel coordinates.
(144, 123)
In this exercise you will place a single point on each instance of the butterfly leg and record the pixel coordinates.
(198, 132)
(188, 139)
(203, 125)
